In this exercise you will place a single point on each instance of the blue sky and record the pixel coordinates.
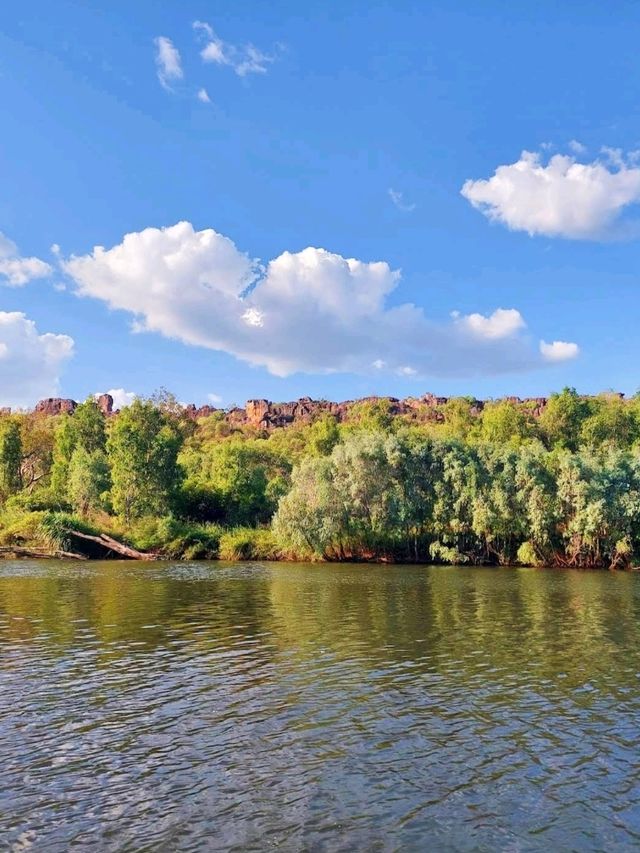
(299, 145)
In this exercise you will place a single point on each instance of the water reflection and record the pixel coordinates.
(317, 707)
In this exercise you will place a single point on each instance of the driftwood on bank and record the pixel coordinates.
(39, 553)
(113, 545)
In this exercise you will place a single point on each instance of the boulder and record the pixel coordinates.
(56, 406)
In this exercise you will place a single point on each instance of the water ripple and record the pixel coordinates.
(246, 707)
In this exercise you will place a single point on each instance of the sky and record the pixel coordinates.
(241, 200)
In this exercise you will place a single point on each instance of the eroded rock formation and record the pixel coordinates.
(105, 402)
(56, 406)
(263, 414)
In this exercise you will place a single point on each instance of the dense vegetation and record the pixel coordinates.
(498, 487)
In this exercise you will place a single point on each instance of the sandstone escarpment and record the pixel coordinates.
(265, 415)
(56, 406)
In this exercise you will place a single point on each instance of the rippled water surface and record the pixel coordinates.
(259, 706)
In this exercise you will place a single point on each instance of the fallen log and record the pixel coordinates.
(39, 553)
(113, 545)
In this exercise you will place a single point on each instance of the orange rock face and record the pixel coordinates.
(56, 406)
(265, 415)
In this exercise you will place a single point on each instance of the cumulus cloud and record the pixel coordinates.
(30, 362)
(244, 60)
(311, 311)
(203, 96)
(398, 200)
(559, 350)
(16, 270)
(168, 62)
(214, 398)
(560, 197)
(503, 323)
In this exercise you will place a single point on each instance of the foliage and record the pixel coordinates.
(143, 450)
(175, 538)
(55, 527)
(19, 527)
(249, 543)
(10, 458)
(562, 420)
(89, 480)
(448, 483)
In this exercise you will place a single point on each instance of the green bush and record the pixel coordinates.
(18, 527)
(41, 500)
(527, 555)
(249, 543)
(55, 526)
(176, 539)
(200, 504)
(445, 554)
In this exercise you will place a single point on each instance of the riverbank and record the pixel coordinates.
(59, 536)
(506, 485)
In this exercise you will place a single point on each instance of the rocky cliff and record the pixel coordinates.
(266, 415)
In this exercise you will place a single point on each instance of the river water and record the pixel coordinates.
(303, 707)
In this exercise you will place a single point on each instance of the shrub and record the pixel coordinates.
(176, 538)
(41, 500)
(249, 543)
(55, 526)
(527, 555)
(445, 554)
(19, 527)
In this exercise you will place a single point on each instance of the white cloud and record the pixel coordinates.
(121, 398)
(254, 62)
(203, 96)
(577, 147)
(398, 200)
(16, 270)
(503, 323)
(559, 350)
(30, 362)
(253, 317)
(244, 60)
(168, 62)
(214, 398)
(312, 311)
(562, 198)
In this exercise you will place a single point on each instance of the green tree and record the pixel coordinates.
(310, 519)
(506, 422)
(497, 517)
(143, 448)
(236, 471)
(455, 491)
(373, 415)
(84, 429)
(562, 419)
(613, 423)
(10, 457)
(459, 421)
(88, 427)
(89, 480)
(63, 447)
(323, 435)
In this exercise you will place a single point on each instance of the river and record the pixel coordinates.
(213, 706)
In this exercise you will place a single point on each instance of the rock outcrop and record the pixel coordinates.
(264, 415)
(105, 403)
(56, 406)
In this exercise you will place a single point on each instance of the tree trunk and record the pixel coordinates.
(113, 545)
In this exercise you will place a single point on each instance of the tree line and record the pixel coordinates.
(498, 487)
